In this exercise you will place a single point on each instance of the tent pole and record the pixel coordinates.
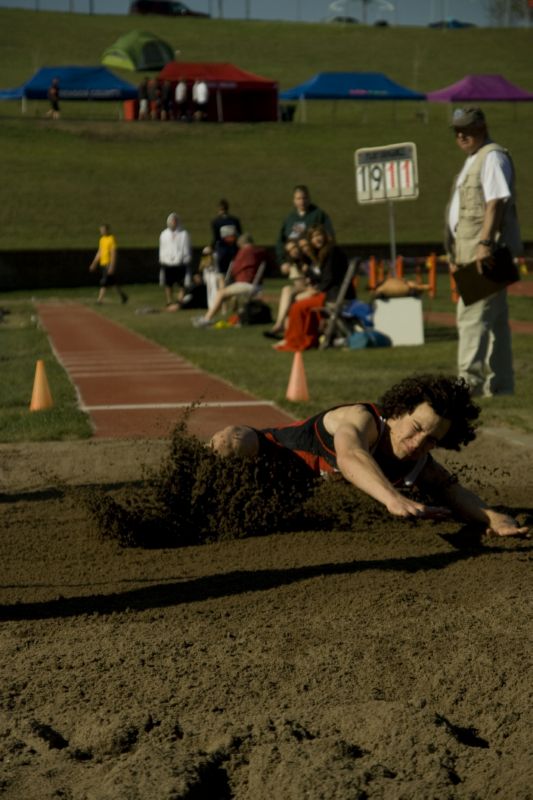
(304, 108)
(392, 235)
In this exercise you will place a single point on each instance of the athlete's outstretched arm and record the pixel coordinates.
(467, 505)
(354, 432)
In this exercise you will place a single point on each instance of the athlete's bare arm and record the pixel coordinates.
(354, 431)
(467, 505)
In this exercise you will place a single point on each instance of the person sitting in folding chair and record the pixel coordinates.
(303, 323)
(297, 267)
(244, 280)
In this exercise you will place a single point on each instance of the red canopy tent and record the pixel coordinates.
(234, 95)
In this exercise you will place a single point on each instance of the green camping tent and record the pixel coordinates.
(138, 50)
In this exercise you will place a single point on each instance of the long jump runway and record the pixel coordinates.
(133, 388)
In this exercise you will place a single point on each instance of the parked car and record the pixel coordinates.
(451, 23)
(350, 20)
(164, 7)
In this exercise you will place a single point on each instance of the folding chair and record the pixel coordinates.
(333, 311)
(257, 283)
(255, 287)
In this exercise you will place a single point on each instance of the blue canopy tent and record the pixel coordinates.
(350, 86)
(75, 83)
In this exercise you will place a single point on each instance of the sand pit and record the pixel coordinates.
(385, 661)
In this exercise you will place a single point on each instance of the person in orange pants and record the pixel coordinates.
(303, 322)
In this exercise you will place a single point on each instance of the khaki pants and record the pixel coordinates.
(485, 356)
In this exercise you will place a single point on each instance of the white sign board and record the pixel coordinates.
(386, 173)
(401, 319)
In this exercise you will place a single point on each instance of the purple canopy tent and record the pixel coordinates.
(480, 88)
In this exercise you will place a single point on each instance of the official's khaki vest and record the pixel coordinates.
(472, 211)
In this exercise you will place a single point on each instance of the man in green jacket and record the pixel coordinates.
(301, 218)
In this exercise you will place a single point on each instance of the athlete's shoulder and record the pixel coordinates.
(356, 414)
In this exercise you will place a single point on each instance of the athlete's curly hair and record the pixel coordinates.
(449, 397)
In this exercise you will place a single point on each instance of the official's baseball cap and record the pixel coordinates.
(468, 118)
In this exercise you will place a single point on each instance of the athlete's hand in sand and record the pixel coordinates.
(401, 506)
(504, 525)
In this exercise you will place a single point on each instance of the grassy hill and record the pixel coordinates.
(59, 179)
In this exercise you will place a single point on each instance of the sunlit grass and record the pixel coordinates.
(239, 355)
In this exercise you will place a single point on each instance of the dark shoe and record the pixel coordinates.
(273, 335)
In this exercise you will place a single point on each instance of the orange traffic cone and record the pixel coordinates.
(41, 397)
(297, 387)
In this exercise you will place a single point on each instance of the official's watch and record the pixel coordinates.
(486, 242)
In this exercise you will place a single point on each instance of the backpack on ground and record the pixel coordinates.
(255, 312)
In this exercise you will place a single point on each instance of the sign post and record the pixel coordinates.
(385, 175)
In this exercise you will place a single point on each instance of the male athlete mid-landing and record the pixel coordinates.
(386, 448)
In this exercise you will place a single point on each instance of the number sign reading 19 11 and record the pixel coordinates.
(386, 173)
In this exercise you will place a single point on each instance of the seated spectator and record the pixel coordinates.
(211, 275)
(243, 271)
(195, 295)
(296, 268)
(303, 323)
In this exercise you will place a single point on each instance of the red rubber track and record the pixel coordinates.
(134, 388)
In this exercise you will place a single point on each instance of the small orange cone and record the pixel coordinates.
(297, 387)
(41, 397)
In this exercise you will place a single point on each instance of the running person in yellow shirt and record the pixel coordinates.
(106, 259)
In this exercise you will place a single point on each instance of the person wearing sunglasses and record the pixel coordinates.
(481, 216)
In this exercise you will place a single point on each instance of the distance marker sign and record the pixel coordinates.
(386, 173)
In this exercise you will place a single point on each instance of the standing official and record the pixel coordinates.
(480, 215)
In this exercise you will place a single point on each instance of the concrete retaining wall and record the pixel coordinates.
(55, 269)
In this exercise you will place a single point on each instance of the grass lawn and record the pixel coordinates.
(61, 179)
(242, 356)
